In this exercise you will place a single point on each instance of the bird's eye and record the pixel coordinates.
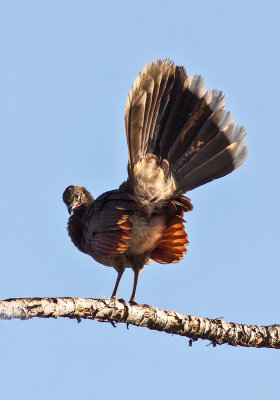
(76, 197)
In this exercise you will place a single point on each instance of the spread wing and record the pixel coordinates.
(108, 228)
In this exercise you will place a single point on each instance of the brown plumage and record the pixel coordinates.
(179, 137)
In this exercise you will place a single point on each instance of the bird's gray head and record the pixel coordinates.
(76, 196)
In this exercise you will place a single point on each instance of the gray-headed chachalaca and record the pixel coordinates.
(179, 137)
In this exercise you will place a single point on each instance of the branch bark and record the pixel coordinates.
(217, 331)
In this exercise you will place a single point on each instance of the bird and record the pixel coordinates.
(179, 137)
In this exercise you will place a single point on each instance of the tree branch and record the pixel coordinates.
(217, 330)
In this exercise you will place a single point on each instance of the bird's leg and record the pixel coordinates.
(119, 277)
(136, 276)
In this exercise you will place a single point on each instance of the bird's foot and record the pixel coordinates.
(114, 298)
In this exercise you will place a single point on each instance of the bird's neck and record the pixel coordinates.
(75, 226)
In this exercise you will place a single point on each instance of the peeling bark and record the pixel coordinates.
(217, 331)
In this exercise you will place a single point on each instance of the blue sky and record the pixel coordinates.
(66, 68)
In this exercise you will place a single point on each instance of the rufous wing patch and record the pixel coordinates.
(114, 242)
(172, 246)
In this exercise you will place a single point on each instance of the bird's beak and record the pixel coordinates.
(72, 206)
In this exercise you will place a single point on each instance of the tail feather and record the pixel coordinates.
(226, 161)
(182, 103)
(156, 81)
(189, 133)
(193, 158)
(171, 116)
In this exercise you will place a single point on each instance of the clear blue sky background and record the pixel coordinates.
(66, 68)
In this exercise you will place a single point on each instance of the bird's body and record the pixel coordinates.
(179, 137)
